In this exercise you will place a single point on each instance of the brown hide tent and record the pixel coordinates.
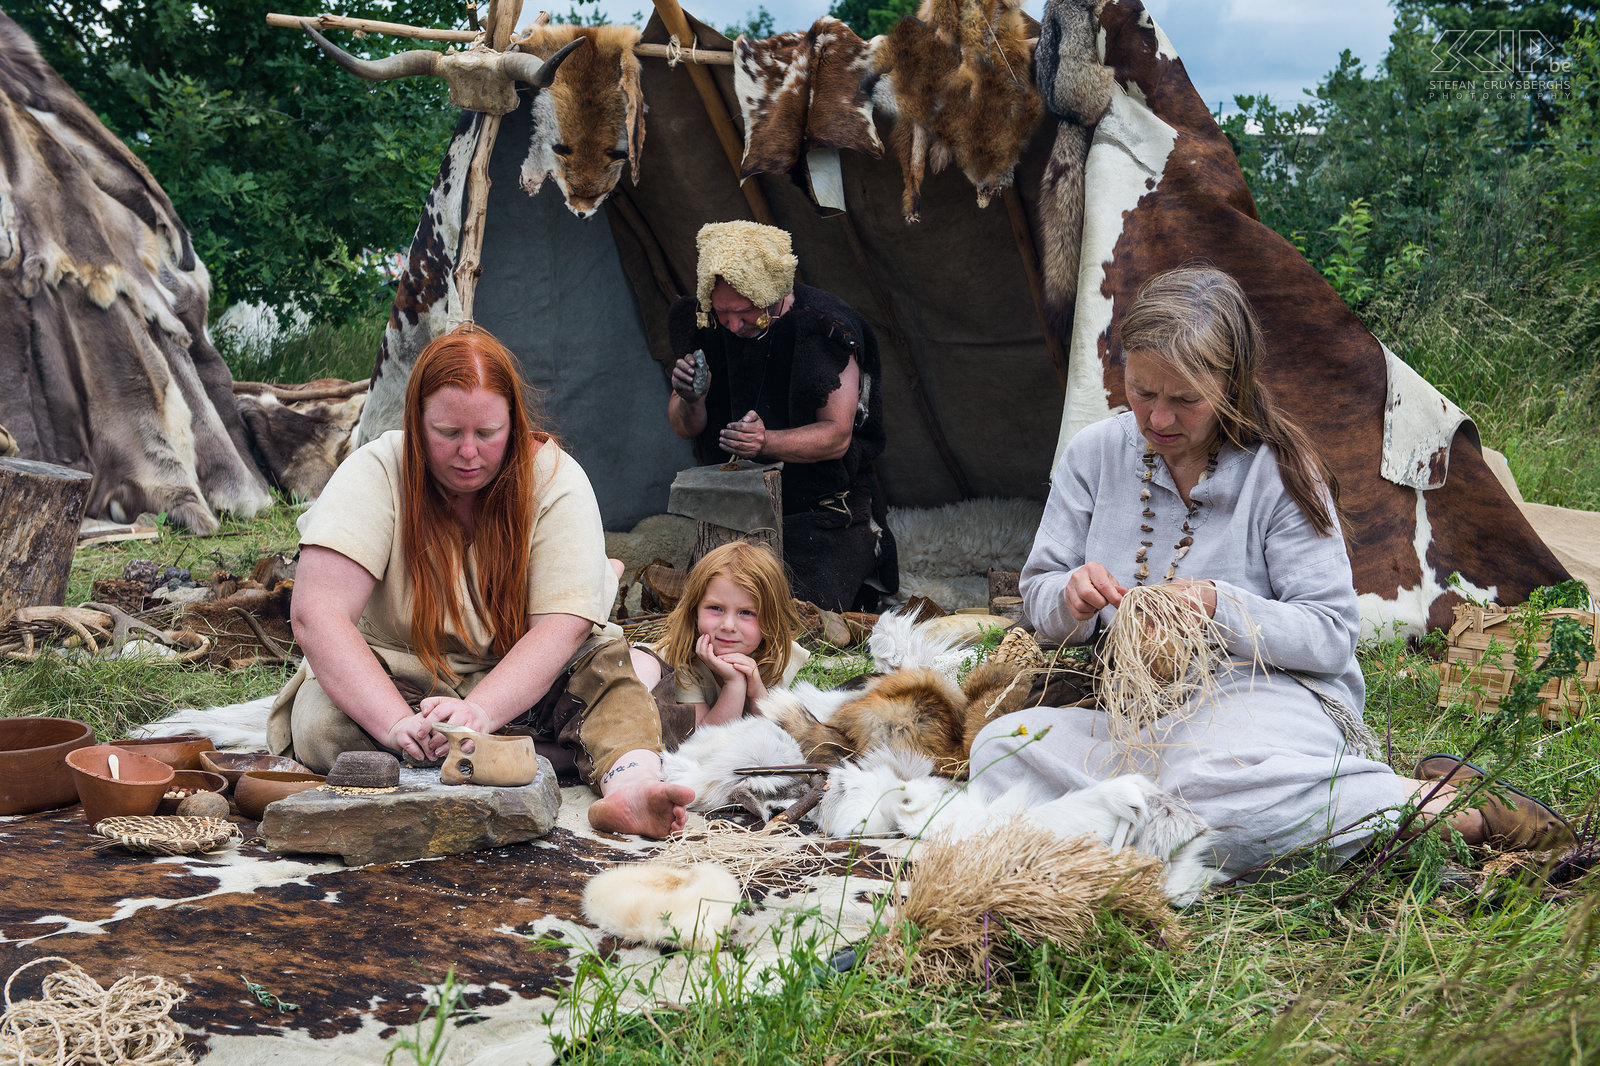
(972, 398)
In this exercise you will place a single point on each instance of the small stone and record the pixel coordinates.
(204, 805)
(144, 571)
(364, 769)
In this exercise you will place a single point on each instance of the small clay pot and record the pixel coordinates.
(137, 788)
(190, 781)
(257, 788)
(231, 764)
(178, 752)
(33, 762)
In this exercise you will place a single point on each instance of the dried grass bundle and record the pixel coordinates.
(779, 855)
(968, 898)
(1159, 658)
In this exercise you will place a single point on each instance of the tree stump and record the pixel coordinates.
(41, 505)
(708, 535)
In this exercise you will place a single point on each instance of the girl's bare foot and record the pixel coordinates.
(645, 808)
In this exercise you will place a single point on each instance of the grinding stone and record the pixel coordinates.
(364, 769)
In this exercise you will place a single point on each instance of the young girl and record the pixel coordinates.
(730, 638)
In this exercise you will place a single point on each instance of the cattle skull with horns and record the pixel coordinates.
(480, 79)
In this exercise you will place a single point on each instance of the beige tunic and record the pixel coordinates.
(358, 516)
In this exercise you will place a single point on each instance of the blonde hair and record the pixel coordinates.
(757, 571)
(1198, 322)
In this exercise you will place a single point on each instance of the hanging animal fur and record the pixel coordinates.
(963, 86)
(1159, 659)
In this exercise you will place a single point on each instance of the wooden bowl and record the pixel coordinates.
(178, 752)
(257, 788)
(231, 764)
(191, 781)
(33, 762)
(137, 788)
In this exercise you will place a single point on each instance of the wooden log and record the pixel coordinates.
(708, 535)
(323, 23)
(41, 505)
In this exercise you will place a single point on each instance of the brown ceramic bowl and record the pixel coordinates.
(33, 762)
(257, 788)
(180, 752)
(191, 781)
(137, 788)
(230, 764)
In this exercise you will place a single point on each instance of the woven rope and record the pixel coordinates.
(166, 835)
(76, 1021)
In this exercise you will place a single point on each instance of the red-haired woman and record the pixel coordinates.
(456, 572)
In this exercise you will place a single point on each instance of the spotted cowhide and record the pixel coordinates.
(1164, 189)
(357, 949)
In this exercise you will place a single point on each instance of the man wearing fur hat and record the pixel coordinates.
(790, 373)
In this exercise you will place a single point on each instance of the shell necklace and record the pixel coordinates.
(1186, 540)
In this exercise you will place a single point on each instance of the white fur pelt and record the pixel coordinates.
(889, 791)
(706, 761)
(660, 905)
(946, 552)
(898, 642)
(237, 727)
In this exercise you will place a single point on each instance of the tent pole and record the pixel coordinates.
(502, 19)
(897, 338)
(716, 110)
(1029, 253)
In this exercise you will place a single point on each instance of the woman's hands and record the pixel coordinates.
(459, 712)
(1090, 588)
(414, 734)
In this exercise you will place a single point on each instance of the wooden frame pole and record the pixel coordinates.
(1029, 253)
(677, 24)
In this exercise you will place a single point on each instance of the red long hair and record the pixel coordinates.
(467, 358)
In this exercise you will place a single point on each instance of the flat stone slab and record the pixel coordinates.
(421, 819)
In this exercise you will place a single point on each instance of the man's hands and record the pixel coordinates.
(745, 438)
(687, 373)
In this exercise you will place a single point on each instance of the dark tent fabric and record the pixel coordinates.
(972, 401)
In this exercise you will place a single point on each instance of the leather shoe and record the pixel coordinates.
(1518, 823)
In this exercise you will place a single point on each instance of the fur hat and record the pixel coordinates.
(756, 260)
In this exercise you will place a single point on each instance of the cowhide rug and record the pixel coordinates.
(360, 949)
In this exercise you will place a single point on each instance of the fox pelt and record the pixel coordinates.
(962, 74)
(915, 708)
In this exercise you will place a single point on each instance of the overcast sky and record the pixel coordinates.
(1229, 47)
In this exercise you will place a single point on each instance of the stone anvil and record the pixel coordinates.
(422, 819)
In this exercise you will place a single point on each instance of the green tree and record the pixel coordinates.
(289, 173)
(868, 19)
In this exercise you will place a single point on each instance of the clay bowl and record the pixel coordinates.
(257, 788)
(230, 764)
(33, 762)
(180, 753)
(191, 781)
(137, 788)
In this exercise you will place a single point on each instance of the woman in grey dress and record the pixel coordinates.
(1205, 486)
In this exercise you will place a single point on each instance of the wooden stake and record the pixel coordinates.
(499, 23)
(1023, 234)
(716, 110)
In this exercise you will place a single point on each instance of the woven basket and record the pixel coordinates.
(645, 630)
(163, 835)
(1018, 646)
(1465, 670)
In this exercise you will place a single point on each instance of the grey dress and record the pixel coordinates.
(1265, 764)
